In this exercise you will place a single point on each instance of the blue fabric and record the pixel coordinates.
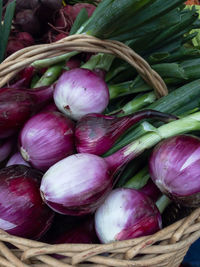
(193, 255)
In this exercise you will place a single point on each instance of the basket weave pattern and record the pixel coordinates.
(165, 248)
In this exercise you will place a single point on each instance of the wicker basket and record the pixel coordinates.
(165, 248)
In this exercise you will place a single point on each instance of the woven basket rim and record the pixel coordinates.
(158, 249)
(81, 43)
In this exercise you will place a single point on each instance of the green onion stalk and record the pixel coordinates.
(137, 147)
(113, 19)
(184, 98)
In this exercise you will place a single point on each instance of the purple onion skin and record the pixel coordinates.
(175, 168)
(97, 133)
(6, 147)
(65, 192)
(126, 214)
(79, 92)
(151, 190)
(49, 108)
(17, 105)
(16, 159)
(22, 210)
(46, 138)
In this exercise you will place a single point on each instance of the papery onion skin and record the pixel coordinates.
(126, 214)
(175, 168)
(46, 138)
(22, 211)
(79, 92)
(63, 191)
(16, 159)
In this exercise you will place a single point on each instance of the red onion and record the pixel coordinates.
(6, 146)
(17, 105)
(22, 211)
(21, 4)
(78, 184)
(19, 41)
(16, 159)
(71, 188)
(73, 10)
(175, 168)
(97, 133)
(84, 233)
(73, 63)
(55, 38)
(52, 4)
(151, 190)
(125, 214)
(79, 92)
(27, 21)
(49, 108)
(46, 138)
(24, 78)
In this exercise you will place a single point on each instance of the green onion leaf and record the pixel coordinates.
(80, 19)
(5, 26)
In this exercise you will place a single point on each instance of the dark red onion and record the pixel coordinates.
(84, 233)
(97, 133)
(21, 4)
(79, 92)
(49, 108)
(175, 168)
(73, 63)
(52, 4)
(22, 211)
(6, 146)
(24, 78)
(151, 190)
(126, 214)
(46, 138)
(60, 225)
(19, 41)
(57, 37)
(73, 10)
(27, 21)
(16, 159)
(78, 184)
(17, 105)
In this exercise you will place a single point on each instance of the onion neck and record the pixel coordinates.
(137, 147)
(43, 94)
(162, 203)
(99, 61)
(119, 125)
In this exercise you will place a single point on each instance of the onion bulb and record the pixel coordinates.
(79, 92)
(175, 168)
(46, 138)
(125, 214)
(22, 211)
